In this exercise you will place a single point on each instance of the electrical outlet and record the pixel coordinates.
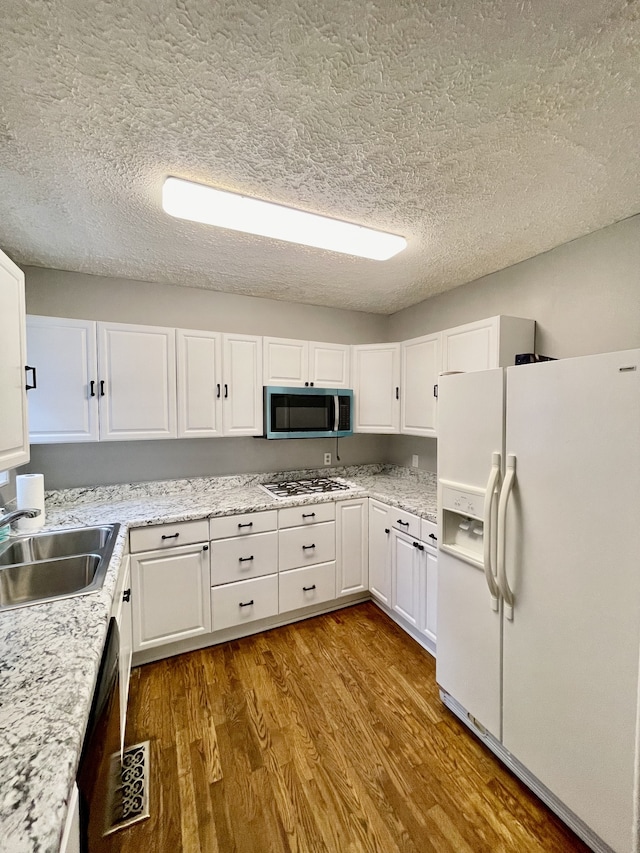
(327, 459)
(414, 460)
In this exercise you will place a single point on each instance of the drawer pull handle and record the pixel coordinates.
(308, 588)
(246, 603)
(245, 559)
(418, 546)
(126, 595)
(248, 524)
(173, 536)
(403, 523)
(307, 547)
(433, 536)
(308, 515)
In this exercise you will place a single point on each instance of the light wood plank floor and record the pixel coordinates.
(328, 736)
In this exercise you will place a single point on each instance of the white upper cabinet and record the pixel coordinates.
(242, 385)
(137, 381)
(376, 386)
(329, 365)
(64, 405)
(298, 364)
(420, 360)
(199, 364)
(286, 362)
(14, 436)
(486, 344)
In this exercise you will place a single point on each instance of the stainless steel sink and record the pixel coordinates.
(48, 546)
(47, 566)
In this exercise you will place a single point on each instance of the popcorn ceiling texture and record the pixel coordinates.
(485, 132)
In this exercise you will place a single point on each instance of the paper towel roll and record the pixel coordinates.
(30, 495)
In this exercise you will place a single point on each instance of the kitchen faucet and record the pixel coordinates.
(16, 514)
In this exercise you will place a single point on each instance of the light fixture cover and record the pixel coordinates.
(199, 203)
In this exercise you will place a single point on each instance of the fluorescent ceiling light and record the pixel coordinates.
(200, 203)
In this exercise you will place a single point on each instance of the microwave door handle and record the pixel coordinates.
(336, 408)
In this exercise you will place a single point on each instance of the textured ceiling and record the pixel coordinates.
(484, 131)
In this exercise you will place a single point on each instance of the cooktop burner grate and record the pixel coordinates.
(311, 486)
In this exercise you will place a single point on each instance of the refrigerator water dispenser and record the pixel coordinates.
(462, 524)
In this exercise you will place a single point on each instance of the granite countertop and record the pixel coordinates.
(50, 653)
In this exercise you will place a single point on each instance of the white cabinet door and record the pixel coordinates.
(405, 578)
(419, 376)
(122, 612)
(428, 592)
(486, 344)
(376, 385)
(71, 833)
(199, 366)
(352, 546)
(138, 369)
(380, 523)
(14, 431)
(286, 362)
(242, 386)
(329, 365)
(64, 405)
(171, 595)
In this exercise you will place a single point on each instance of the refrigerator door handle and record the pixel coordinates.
(505, 492)
(489, 497)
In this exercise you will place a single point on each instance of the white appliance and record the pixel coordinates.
(539, 580)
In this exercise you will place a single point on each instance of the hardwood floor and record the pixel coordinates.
(325, 736)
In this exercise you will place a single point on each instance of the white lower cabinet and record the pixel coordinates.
(70, 842)
(405, 578)
(306, 546)
(380, 523)
(171, 599)
(352, 537)
(235, 604)
(121, 611)
(310, 585)
(428, 585)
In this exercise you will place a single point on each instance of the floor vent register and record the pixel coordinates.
(128, 787)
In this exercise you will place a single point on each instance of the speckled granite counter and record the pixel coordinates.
(50, 653)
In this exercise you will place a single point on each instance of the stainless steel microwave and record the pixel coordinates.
(307, 412)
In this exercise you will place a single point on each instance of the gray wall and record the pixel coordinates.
(90, 297)
(67, 294)
(583, 295)
(68, 465)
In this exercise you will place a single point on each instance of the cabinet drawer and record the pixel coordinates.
(304, 546)
(244, 601)
(244, 557)
(311, 585)
(406, 522)
(293, 516)
(429, 532)
(168, 535)
(243, 525)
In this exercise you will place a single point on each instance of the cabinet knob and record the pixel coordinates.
(306, 384)
(205, 547)
(386, 530)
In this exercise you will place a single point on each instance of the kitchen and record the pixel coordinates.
(581, 290)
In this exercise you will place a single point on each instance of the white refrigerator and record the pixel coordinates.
(539, 579)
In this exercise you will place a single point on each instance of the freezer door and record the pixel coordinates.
(570, 654)
(468, 663)
(470, 425)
